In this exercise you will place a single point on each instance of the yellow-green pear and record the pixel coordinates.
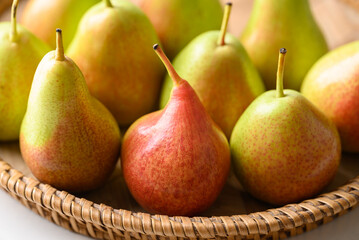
(177, 22)
(43, 16)
(220, 71)
(68, 138)
(277, 23)
(283, 148)
(112, 47)
(20, 53)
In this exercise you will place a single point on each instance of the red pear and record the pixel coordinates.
(175, 161)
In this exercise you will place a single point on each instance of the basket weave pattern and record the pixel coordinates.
(103, 222)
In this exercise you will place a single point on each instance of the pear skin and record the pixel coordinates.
(283, 148)
(68, 138)
(41, 17)
(126, 79)
(177, 22)
(220, 71)
(175, 161)
(277, 23)
(20, 53)
(332, 85)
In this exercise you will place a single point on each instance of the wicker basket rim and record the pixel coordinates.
(104, 217)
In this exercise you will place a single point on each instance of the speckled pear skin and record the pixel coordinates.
(175, 161)
(113, 50)
(68, 138)
(42, 17)
(284, 149)
(18, 62)
(177, 22)
(277, 23)
(332, 85)
(223, 77)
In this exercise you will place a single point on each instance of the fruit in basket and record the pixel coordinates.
(175, 161)
(43, 16)
(276, 23)
(20, 53)
(177, 22)
(283, 148)
(124, 77)
(220, 71)
(332, 85)
(68, 138)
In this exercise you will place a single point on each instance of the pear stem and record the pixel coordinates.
(13, 33)
(280, 71)
(60, 55)
(171, 71)
(108, 3)
(222, 34)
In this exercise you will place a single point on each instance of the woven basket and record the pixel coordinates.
(103, 222)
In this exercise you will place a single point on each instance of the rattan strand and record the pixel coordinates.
(103, 222)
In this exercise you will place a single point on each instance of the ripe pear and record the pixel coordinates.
(43, 16)
(177, 22)
(175, 161)
(283, 148)
(332, 85)
(20, 53)
(127, 80)
(68, 138)
(276, 23)
(220, 71)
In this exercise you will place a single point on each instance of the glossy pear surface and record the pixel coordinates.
(283, 23)
(333, 86)
(223, 77)
(175, 161)
(68, 138)
(177, 22)
(284, 149)
(113, 50)
(42, 17)
(18, 62)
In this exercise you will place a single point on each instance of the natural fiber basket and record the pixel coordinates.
(103, 222)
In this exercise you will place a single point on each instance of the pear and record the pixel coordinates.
(68, 138)
(283, 148)
(20, 53)
(127, 80)
(220, 71)
(175, 161)
(276, 23)
(177, 22)
(332, 85)
(43, 16)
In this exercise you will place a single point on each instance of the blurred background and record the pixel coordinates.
(338, 19)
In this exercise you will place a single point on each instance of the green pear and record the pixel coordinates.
(177, 22)
(43, 16)
(276, 23)
(68, 138)
(112, 47)
(283, 148)
(332, 85)
(20, 53)
(220, 71)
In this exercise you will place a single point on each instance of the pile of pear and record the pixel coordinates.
(215, 114)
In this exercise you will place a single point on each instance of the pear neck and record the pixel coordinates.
(13, 33)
